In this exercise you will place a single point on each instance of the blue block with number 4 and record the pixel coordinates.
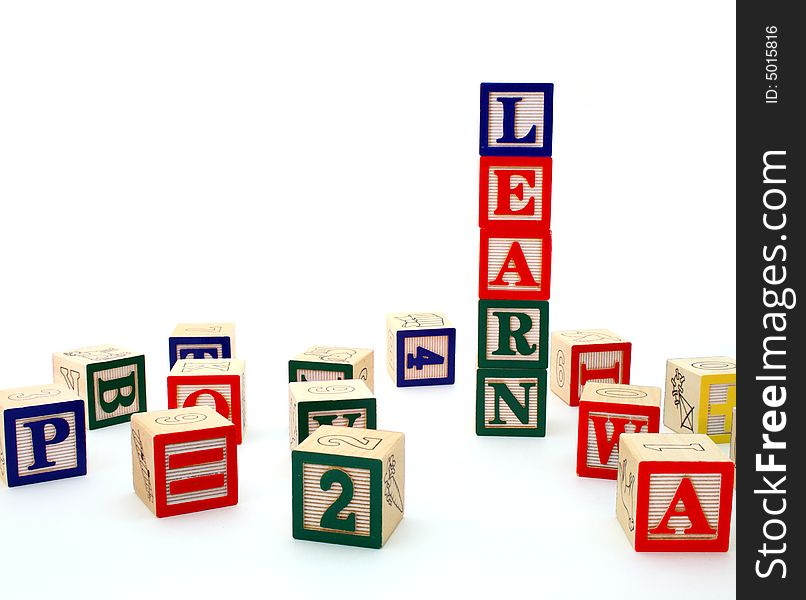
(420, 349)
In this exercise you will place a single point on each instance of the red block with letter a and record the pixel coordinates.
(583, 355)
(606, 411)
(515, 262)
(217, 383)
(674, 493)
(184, 460)
(515, 189)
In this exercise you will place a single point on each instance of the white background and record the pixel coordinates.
(304, 168)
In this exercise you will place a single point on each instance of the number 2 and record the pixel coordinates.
(424, 357)
(330, 518)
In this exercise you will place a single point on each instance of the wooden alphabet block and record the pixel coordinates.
(674, 492)
(700, 396)
(112, 381)
(184, 460)
(581, 356)
(217, 383)
(329, 363)
(347, 486)
(513, 334)
(515, 189)
(516, 119)
(42, 434)
(515, 262)
(511, 402)
(201, 340)
(606, 411)
(420, 349)
(348, 403)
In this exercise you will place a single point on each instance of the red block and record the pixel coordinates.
(515, 262)
(515, 189)
(605, 412)
(185, 460)
(217, 383)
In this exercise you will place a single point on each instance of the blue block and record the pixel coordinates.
(516, 127)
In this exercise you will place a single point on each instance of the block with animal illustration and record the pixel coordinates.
(348, 486)
(111, 379)
(217, 383)
(700, 396)
(583, 355)
(606, 411)
(42, 434)
(513, 334)
(347, 403)
(184, 460)
(516, 119)
(675, 492)
(515, 262)
(329, 363)
(420, 349)
(511, 402)
(200, 341)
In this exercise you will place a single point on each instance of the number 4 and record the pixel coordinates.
(424, 357)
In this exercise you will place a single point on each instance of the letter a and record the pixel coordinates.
(517, 259)
(691, 508)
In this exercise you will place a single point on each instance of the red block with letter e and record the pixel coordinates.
(217, 383)
(606, 411)
(515, 189)
(675, 492)
(515, 262)
(184, 460)
(585, 355)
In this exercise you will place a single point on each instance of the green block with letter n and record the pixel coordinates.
(511, 402)
(337, 499)
(513, 334)
(116, 389)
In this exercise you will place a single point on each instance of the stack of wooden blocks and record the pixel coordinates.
(515, 258)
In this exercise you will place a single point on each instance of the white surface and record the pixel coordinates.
(303, 169)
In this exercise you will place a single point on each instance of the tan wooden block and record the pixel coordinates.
(311, 404)
(218, 383)
(331, 363)
(674, 492)
(583, 355)
(700, 396)
(184, 460)
(348, 486)
(111, 379)
(42, 434)
(201, 341)
(420, 349)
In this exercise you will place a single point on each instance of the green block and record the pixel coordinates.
(110, 379)
(513, 334)
(511, 402)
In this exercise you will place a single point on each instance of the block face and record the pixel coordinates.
(314, 404)
(44, 442)
(516, 119)
(700, 396)
(201, 341)
(513, 334)
(515, 189)
(682, 488)
(116, 390)
(329, 363)
(426, 357)
(347, 486)
(605, 413)
(511, 402)
(215, 383)
(515, 263)
(337, 499)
